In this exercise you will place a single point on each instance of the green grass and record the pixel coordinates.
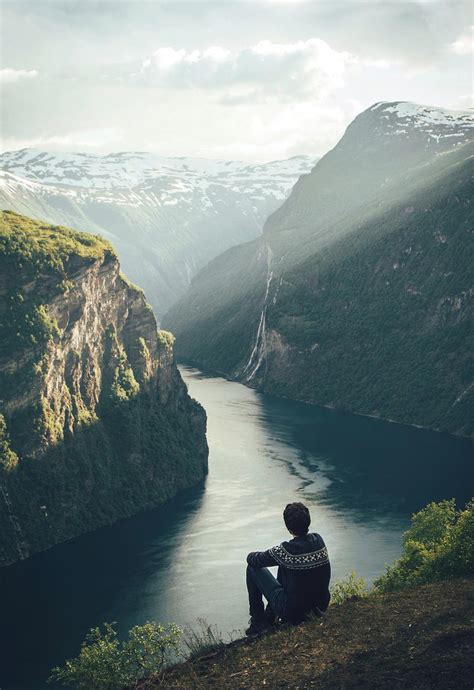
(44, 247)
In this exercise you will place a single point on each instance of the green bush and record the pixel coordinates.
(439, 545)
(166, 338)
(105, 663)
(352, 587)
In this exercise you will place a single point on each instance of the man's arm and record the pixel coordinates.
(261, 559)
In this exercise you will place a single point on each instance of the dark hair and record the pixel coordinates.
(297, 518)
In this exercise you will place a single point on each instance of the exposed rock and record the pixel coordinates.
(95, 413)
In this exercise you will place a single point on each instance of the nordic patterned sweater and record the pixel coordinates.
(304, 572)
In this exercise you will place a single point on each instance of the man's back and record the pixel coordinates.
(304, 572)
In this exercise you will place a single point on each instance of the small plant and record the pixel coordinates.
(203, 639)
(166, 338)
(106, 663)
(352, 587)
(129, 284)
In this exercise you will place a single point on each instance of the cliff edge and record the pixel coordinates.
(95, 421)
(420, 638)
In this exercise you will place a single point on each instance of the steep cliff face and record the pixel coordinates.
(95, 420)
(359, 293)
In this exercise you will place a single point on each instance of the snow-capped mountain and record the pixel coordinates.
(379, 150)
(167, 217)
(127, 170)
(435, 123)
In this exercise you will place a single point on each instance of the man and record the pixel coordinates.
(304, 572)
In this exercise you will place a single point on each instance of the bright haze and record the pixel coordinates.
(256, 81)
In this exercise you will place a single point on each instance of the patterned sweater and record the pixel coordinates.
(303, 571)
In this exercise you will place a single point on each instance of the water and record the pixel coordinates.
(361, 478)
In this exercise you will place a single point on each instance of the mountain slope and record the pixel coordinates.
(167, 217)
(358, 295)
(95, 420)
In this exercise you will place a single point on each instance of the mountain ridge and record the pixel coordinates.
(165, 217)
(266, 329)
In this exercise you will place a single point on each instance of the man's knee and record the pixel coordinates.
(251, 570)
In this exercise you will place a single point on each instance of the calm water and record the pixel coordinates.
(362, 479)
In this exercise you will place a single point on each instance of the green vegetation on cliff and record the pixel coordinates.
(8, 458)
(380, 323)
(439, 545)
(95, 421)
(30, 248)
(42, 246)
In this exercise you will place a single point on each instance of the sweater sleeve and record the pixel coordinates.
(261, 559)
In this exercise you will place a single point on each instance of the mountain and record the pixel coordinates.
(358, 295)
(167, 217)
(95, 421)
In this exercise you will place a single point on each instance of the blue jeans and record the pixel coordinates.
(261, 583)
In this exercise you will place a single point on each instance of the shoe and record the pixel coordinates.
(258, 626)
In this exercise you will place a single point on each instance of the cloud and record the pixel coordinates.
(85, 139)
(293, 129)
(464, 45)
(298, 69)
(380, 63)
(8, 75)
(465, 102)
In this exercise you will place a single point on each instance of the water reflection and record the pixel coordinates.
(50, 601)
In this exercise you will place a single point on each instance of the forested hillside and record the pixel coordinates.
(359, 293)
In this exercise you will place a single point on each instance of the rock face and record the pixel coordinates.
(359, 293)
(95, 421)
(167, 217)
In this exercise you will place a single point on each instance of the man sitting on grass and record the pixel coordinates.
(302, 584)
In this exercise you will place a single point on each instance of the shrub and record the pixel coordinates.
(438, 545)
(106, 663)
(352, 587)
(166, 338)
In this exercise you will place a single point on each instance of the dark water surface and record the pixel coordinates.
(362, 479)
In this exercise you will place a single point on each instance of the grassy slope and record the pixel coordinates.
(419, 638)
(42, 244)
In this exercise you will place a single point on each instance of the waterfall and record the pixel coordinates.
(259, 350)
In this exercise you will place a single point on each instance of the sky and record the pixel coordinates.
(231, 79)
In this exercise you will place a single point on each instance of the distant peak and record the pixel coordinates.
(419, 112)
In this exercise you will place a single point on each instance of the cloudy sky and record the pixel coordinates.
(255, 80)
